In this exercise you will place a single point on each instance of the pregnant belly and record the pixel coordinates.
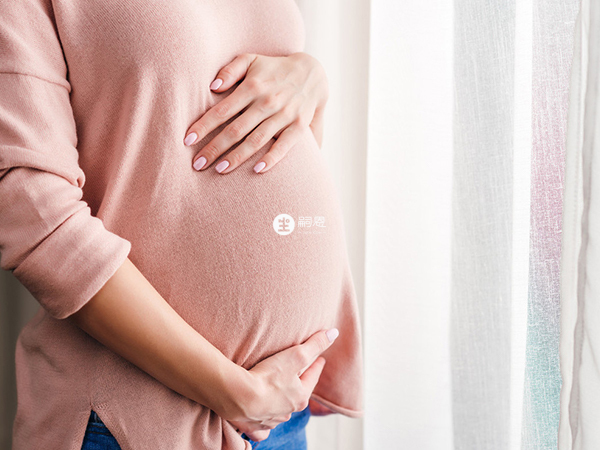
(254, 262)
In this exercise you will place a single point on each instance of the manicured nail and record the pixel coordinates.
(332, 334)
(222, 166)
(216, 84)
(260, 166)
(190, 138)
(199, 163)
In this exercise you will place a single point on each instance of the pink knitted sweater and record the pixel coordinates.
(95, 100)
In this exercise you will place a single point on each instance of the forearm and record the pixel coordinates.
(132, 319)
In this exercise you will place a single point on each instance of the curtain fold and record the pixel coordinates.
(580, 284)
(485, 205)
(571, 224)
(553, 39)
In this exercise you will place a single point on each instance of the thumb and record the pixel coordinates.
(233, 72)
(306, 353)
(311, 376)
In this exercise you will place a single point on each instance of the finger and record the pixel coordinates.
(311, 376)
(281, 419)
(258, 436)
(233, 72)
(238, 130)
(218, 115)
(305, 353)
(286, 140)
(231, 134)
(307, 366)
(256, 140)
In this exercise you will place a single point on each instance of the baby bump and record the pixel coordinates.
(254, 262)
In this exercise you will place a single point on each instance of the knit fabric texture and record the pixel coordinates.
(95, 100)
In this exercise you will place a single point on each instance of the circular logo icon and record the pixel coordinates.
(284, 224)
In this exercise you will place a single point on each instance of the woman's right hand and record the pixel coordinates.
(282, 384)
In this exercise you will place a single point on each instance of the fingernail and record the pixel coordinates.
(190, 138)
(216, 84)
(332, 334)
(199, 163)
(260, 166)
(222, 166)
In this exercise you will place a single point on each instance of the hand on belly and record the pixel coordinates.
(279, 96)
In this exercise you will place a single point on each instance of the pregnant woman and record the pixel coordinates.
(164, 197)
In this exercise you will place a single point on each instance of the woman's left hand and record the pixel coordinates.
(316, 409)
(282, 96)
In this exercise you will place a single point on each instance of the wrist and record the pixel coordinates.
(234, 393)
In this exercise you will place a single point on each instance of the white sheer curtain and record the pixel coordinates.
(467, 118)
(465, 157)
(580, 292)
(467, 114)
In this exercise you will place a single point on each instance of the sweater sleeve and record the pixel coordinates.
(48, 237)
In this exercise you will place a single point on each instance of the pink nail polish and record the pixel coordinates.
(332, 334)
(190, 138)
(222, 166)
(260, 166)
(216, 84)
(199, 163)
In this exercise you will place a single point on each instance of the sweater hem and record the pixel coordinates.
(354, 413)
(112, 427)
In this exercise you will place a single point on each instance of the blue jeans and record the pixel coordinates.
(97, 436)
(290, 435)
